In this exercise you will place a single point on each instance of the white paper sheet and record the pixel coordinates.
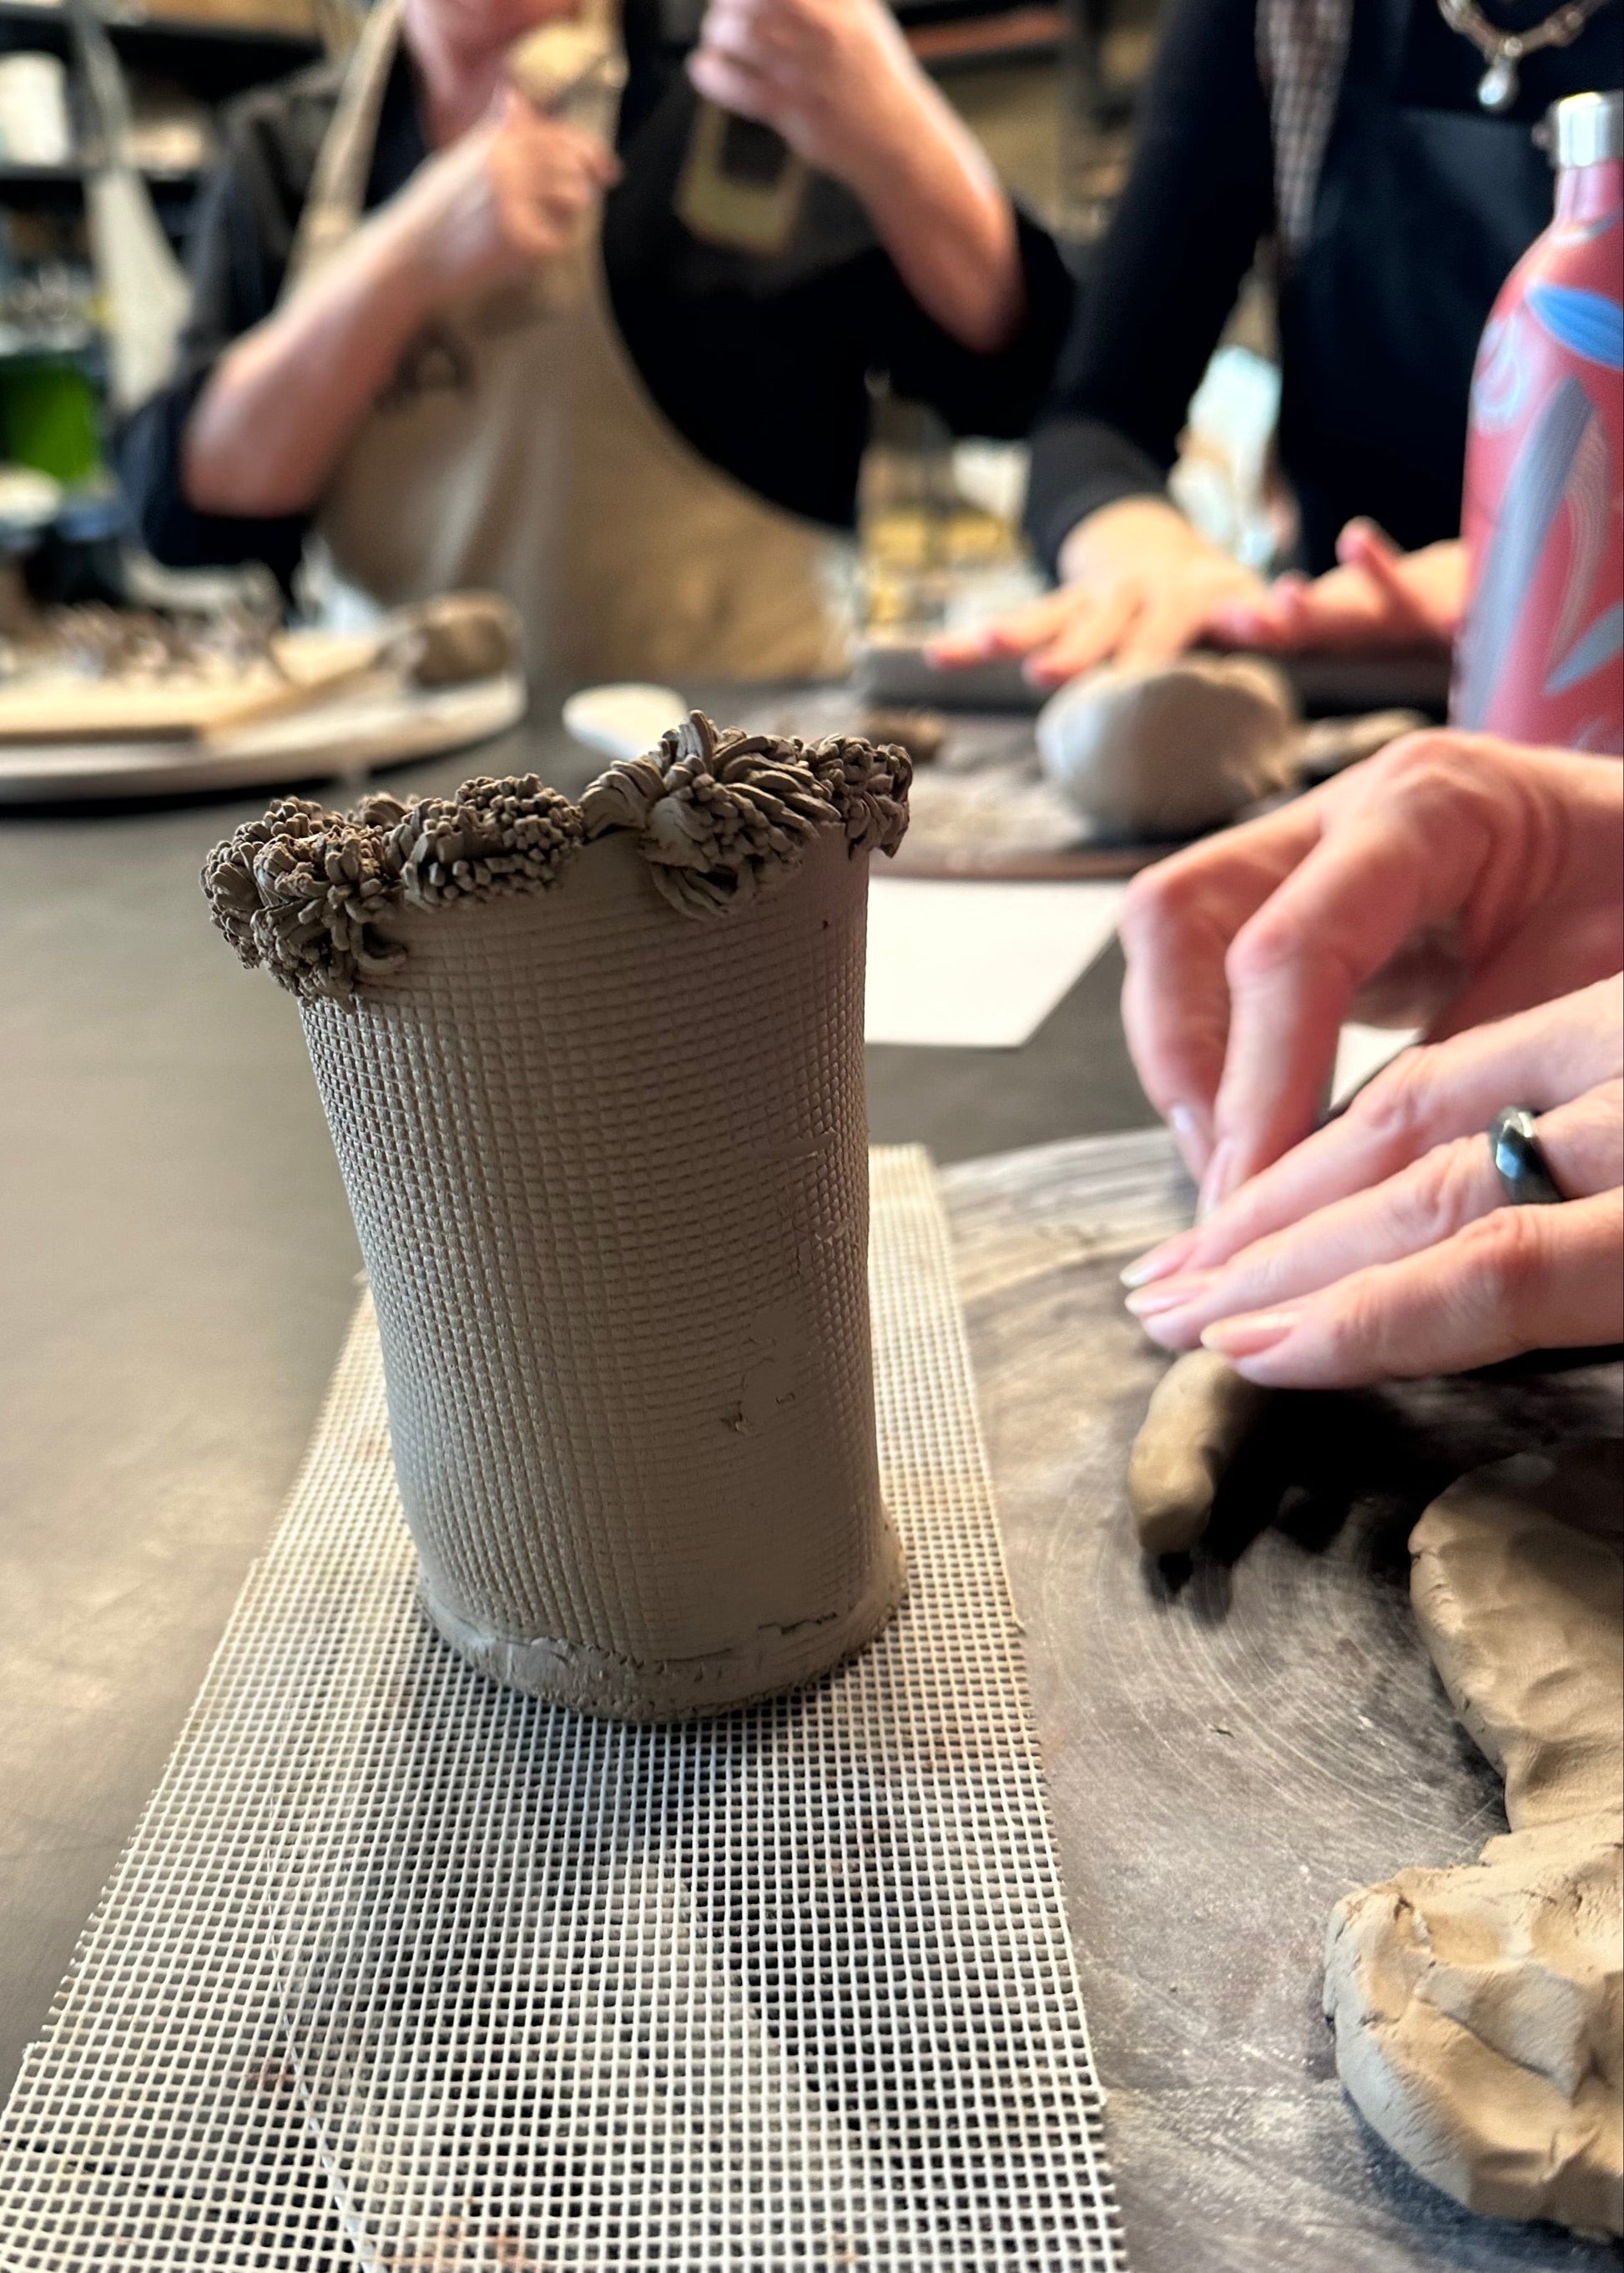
(978, 965)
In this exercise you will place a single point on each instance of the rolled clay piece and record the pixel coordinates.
(1479, 2012)
(1166, 749)
(1200, 1414)
(1517, 1578)
(920, 732)
(1333, 745)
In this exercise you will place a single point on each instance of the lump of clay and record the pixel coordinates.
(1479, 2012)
(922, 734)
(454, 637)
(1477, 2023)
(1200, 1415)
(1166, 749)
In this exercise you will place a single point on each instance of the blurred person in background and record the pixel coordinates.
(1385, 148)
(465, 343)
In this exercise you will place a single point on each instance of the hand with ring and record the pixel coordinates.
(1452, 880)
(1392, 1244)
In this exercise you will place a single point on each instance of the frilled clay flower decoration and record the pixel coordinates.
(718, 817)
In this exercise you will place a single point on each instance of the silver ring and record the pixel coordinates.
(1518, 1161)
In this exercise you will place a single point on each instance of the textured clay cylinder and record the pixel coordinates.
(594, 1075)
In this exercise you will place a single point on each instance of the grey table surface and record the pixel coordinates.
(179, 1269)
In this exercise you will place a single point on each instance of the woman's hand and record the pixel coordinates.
(1140, 585)
(286, 399)
(1384, 1247)
(833, 77)
(836, 78)
(504, 197)
(1455, 877)
(1377, 597)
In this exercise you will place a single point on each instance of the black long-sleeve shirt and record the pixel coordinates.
(763, 364)
(1425, 204)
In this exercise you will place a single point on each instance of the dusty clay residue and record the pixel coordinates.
(719, 816)
(1479, 2012)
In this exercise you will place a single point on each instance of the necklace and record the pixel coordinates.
(1503, 51)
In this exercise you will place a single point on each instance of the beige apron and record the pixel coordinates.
(518, 451)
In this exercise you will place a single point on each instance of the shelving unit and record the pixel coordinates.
(54, 374)
(50, 185)
(218, 60)
(945, 34)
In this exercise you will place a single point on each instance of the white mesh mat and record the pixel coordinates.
(402, 1970)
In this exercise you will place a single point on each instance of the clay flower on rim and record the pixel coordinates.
(492, 836)
(868, 786)
(718, 817)
(302, 892)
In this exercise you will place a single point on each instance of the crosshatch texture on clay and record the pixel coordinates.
(600, 1116)
(405, 1970)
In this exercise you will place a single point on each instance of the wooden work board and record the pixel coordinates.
(1233, 1741)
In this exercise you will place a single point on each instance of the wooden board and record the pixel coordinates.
(69, 707)
(1235, 1741)
(353, 731)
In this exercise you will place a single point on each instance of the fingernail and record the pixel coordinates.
(1192, 1131)
(1247, 1335)
(1217, 1181)
(1158, 1262)
(1170, 1295)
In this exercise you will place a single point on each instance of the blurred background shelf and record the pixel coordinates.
(946, 37)
(48, 184)
(214, 59)
(286, 42)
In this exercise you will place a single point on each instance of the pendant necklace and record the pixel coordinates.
(1503, 51)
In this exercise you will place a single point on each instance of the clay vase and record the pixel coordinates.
(594, 1074)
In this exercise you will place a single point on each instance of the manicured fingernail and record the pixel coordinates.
(1169, 1294)
(1217, 1181)
(1249, 1334)
(1158, 1262)
(1192, 1128)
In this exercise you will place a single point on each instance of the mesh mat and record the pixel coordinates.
(402, 1970)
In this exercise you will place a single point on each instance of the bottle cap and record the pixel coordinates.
(1584, 130)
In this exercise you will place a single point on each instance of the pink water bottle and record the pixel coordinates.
(1541, 657)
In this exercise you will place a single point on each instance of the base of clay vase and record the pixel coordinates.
(591, 1680)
